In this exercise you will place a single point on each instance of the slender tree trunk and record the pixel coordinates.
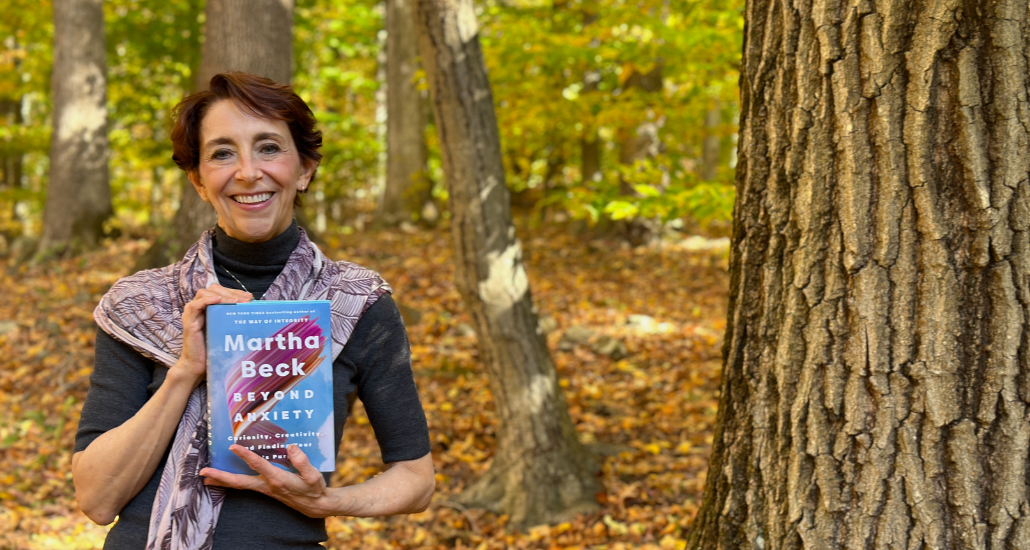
(157, 197)
(381, 104)
(590, 156)
(639, 142)
(78, 195)
(877, 367)
(253, 36)
(590, 142)
(712, 144)
(10, 110)
(407, 184)
(540, 472)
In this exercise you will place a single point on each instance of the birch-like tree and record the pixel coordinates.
(540, 472)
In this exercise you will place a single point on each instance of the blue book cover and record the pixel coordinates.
(270, 382)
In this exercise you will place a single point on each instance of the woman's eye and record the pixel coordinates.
(221, 154)
(269, 148)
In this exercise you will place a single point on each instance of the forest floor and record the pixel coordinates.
(648, 416)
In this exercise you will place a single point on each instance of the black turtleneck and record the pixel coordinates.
(252, 266)
(375, 364)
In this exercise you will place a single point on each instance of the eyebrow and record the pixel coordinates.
(229, 141)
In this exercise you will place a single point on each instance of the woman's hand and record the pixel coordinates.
(406, 487)
(193, 361)
(118, 464)
(305, 492)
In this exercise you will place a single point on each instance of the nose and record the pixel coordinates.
(247, 169)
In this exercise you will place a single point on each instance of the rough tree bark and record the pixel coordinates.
(78, 194)
(540, 472)
(877, 367)
(253, 36)
(407, 183)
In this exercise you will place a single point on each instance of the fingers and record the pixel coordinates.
(305, 493)
(257, 462)
(311, 479)
(229, 295)
(308, 473)
(217, 294)
(218, 478)
(192, 312)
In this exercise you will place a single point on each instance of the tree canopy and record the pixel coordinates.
(559, 70)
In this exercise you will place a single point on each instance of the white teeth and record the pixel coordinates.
(251, 199)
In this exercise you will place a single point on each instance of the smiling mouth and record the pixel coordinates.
(252, 199)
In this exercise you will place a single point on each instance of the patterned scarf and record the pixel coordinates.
(145, 311)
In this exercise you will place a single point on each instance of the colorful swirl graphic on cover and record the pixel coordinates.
(251, 410)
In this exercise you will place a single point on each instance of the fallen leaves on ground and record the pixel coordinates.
(647, 414)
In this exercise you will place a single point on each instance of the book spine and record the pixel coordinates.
(209, 397)
(210, 431)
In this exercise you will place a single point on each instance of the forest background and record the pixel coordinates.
(622, 321)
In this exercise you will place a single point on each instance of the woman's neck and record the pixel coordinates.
(273, 252)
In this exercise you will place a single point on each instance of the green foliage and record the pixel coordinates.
(559, 71)
(335, 51)
(26, 34)
(153, 54)
(705, 201)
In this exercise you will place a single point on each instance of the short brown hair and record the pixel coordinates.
(254, 95)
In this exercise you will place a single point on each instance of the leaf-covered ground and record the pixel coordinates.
(647, 416)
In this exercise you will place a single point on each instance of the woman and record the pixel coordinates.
(249, 147)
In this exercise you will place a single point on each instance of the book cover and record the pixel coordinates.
(270, 382)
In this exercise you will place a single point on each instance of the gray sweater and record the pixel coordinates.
(375, 365)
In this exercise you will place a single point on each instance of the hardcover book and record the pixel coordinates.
(270, 382)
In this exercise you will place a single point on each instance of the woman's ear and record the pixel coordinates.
(197, 184)
(306, 173)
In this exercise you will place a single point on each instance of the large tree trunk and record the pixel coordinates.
(877, 369)
(407, 183)
(540, 472)
(253, 36)
(78, 195)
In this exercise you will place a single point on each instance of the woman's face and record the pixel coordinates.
(249, 171)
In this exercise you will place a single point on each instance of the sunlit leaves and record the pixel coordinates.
(559, 71)
(336, 46)
(558, 68)
(647, 418)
